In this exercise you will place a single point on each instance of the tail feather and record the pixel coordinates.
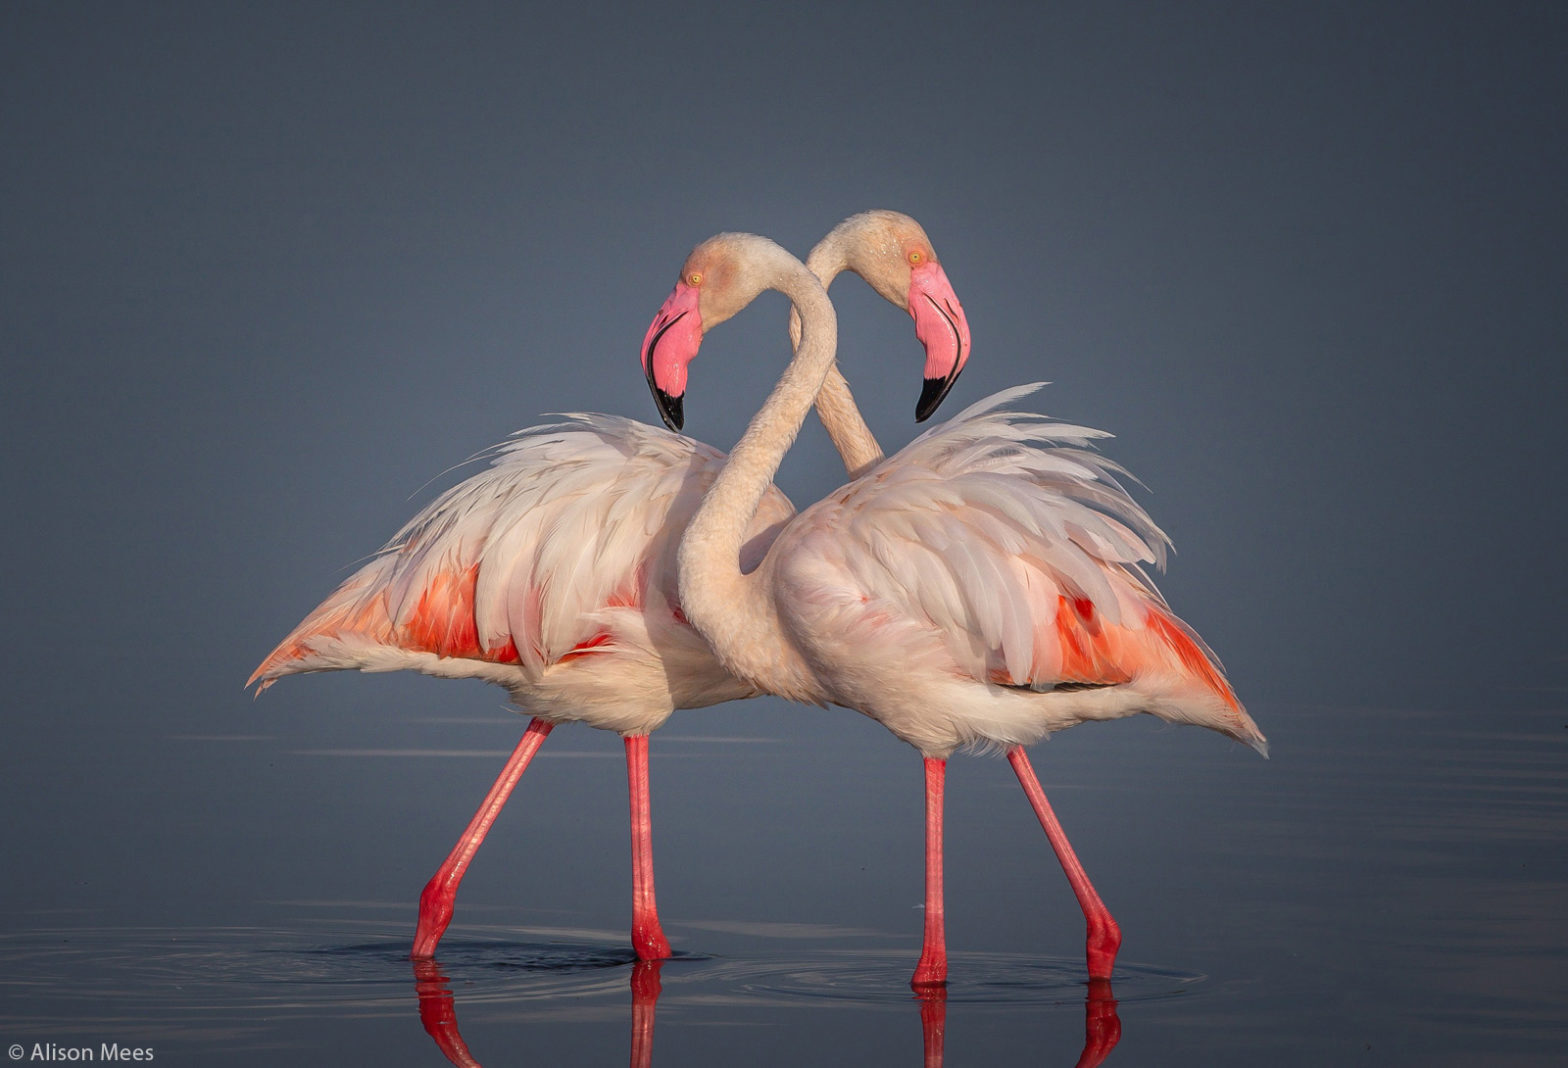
(1200, 666)
(356, 611)
(355, 628)
(1150, 651)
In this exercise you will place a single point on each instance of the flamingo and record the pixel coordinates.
(551, 574)
(981, 588)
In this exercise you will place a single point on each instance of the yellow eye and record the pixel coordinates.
(916, 258)
(694, 279)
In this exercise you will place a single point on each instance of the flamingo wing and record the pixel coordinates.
(1002, 548)
(531, 561)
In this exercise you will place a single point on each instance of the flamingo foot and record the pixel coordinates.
(437, 902)
(649, 942)
(930, 971)
(1104, 940)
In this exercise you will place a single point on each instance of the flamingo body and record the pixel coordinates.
(988, 580)
(550, 573)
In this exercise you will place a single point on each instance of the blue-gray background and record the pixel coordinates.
(269, 269)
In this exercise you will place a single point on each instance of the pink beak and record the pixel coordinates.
(942, 328)
(671, 343)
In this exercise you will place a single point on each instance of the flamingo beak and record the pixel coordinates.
(942, 328)
(671, 343)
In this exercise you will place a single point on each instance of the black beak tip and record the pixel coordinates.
(931, 397)
(669, 409)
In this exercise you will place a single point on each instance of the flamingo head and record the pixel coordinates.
(892, 253)
(671, 343)
(942, 328)
(720, 277)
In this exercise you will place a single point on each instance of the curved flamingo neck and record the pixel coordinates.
(730, 609)
(836, 406)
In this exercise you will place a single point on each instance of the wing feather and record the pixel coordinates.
(1005, 535)
(527, 559)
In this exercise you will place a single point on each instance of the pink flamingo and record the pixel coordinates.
(980, 588)
(551, 574)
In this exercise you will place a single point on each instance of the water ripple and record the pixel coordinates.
(189, 977)
(882, 976)
(54, 978)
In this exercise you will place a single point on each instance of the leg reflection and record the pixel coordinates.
(933, 1023)
(1102, 1028)
(438, 1014)
(645, 996)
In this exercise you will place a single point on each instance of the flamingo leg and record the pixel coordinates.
(1104, 936)
(440, 893)
(647, 935)
(932, 969)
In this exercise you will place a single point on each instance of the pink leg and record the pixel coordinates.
(647, 936)
(1104, 937)
(932, 969)
(440, 893)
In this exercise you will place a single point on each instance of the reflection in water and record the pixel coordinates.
(646, 989)
(872, 977)
(933, 1023)
(245, 992)
(438, 1014)
(1102, 1027)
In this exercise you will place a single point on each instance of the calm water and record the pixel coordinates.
(1388, 890)
(266, 268)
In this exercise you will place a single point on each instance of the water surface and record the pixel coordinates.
(1387, 890)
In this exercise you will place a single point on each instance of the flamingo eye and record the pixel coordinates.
(694, 279)
(916, 258)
